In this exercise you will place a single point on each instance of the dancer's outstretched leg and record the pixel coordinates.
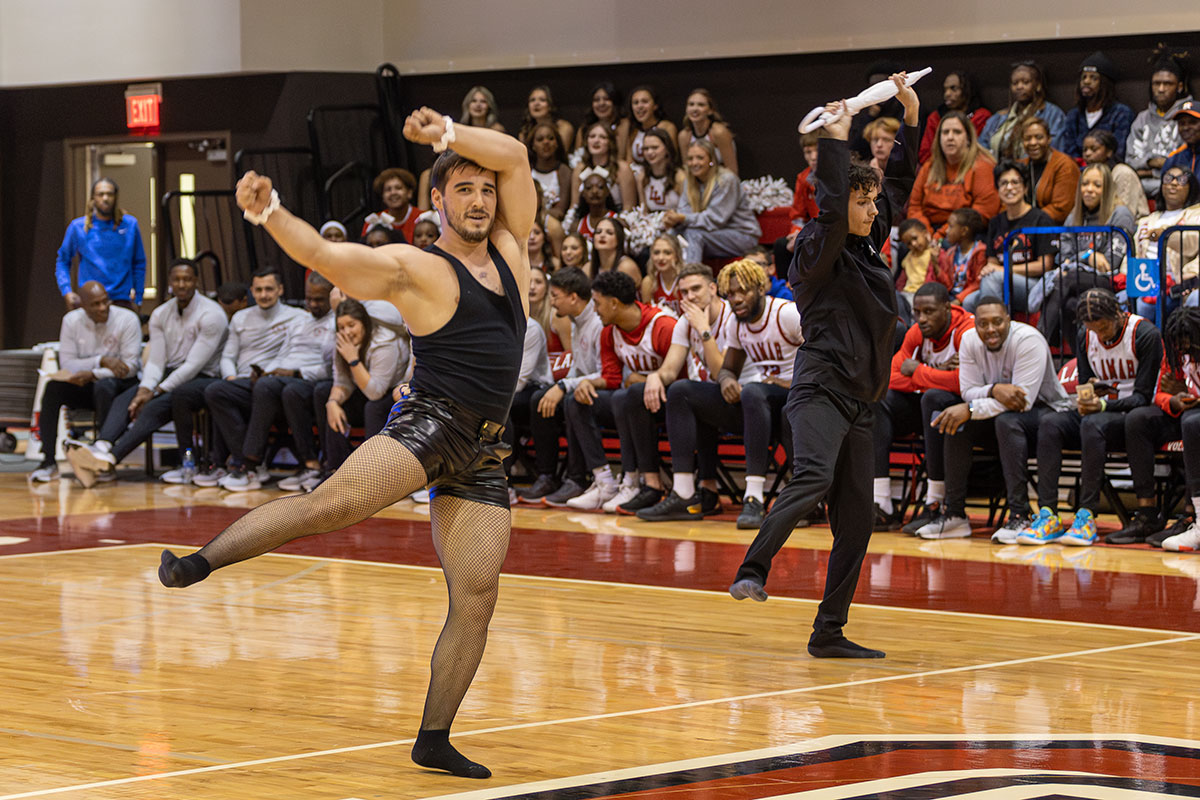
(380, 472)
(471, 540)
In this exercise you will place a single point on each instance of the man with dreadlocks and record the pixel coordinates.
(1175, 415)
(1118, 358)
(465, 299)
(109, 245)
(847, 300)
(760, 339)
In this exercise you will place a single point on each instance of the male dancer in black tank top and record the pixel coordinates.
(465, 302)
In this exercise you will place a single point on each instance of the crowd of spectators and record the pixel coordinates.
(693, 331)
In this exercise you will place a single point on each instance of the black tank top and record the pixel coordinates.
(475, 358)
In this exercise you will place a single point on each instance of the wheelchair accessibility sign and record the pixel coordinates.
(1142, 279)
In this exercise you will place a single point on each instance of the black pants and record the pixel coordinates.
(229, 404)
(1092, 435)
(186, 400)
(831, 439)
(520, 421)
(546, 434)
(1013, 435)
(335, 446)
(697, 413)
(280, 399)
(96, 395)
(125, 437)
(1148, 428)
(585, 436)
(902, 413)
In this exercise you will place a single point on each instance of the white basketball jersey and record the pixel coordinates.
(936, 358)
(770, 343)
(640, 356)
(685, 334)
(1115, 364)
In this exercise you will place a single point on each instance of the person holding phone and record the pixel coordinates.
(1172, 417)
(1119, 359)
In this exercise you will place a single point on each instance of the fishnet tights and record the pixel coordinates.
(380, 472)
(471, 540)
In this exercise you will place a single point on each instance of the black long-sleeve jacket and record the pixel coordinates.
(843, 288)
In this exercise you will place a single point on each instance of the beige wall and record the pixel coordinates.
(74, 41)
(521, 33)
(77, 41)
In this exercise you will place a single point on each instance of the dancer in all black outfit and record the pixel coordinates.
(847, 303)
(465, 300)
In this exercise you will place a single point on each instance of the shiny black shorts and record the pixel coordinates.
(461, 451)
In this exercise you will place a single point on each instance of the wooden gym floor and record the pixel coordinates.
(617, 664)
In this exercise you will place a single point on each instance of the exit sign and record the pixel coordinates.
(142, 103)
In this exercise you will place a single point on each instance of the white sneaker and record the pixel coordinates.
(595, 497)
(241, 481)
(312, 481)
(295, 483)
(1011, 529)
(99, 454)
(512, 497)
(107, 476)
(622, 497)
(210, 478)
(179, 475)
(420, 496)
(44, 474)
(945, 527)
(1185, 542)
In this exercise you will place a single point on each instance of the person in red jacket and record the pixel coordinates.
(635, 340)
(1174, 416)
(959, 93)
(962, 259)
(924, 380)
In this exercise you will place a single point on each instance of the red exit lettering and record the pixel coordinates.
(141, 111)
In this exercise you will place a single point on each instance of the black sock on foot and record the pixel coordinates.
(748, 588)
(433, 749)
(841, 647)
(180, 572)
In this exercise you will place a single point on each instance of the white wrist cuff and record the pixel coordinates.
(261, 219)
(447, 138)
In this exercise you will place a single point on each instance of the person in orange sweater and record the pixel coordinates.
(959, 263)
(1055, 174)
(958, 175)
(924, 380)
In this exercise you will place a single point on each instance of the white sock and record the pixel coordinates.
(754, 487)
(883, 494)
(1195, 503)
(685, 484)
(936, 493)
(103, 445)
(604, 476)
(630, 481)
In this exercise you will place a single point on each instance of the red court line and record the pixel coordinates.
(986, 587)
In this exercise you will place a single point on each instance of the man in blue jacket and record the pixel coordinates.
(109, 245)
(847, 302)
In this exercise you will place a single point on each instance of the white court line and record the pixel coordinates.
(75, 550)
(779, 598)
(595, 717)
(682, 589)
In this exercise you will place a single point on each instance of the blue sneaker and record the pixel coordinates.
(1082, 532)
(1046, 527)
